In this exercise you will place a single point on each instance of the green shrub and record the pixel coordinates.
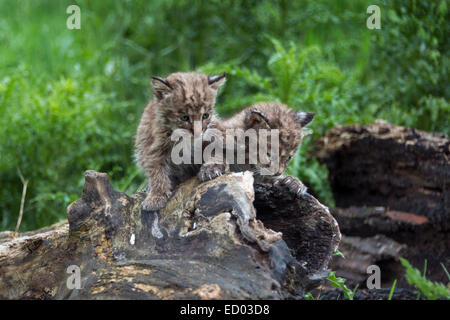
(53, 132)
(410, 64)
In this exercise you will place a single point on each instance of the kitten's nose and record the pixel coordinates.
(198, 130)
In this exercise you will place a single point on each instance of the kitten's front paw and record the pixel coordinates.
(211, 171)
(155, 202)
(293, 184)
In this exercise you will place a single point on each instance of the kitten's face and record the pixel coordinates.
(290, 126)
(187, 100)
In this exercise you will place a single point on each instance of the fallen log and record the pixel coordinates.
(207, 243)
(370, 221)
(392, 181)
(391, 166)
(418, 237)
(360, 253)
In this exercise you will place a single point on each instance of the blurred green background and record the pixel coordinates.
(70, 100)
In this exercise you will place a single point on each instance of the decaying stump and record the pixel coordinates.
(395, 182)
(385, 165)
(208, 243)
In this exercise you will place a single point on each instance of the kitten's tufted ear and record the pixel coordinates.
(216, 81)
(256, 120)
(161, 88)
(305, 117)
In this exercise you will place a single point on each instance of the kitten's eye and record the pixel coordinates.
(184, 118)
(289, 159)
(205, 116)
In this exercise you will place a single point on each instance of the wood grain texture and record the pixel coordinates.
(207, 243)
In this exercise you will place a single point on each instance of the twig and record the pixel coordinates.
(22, 201)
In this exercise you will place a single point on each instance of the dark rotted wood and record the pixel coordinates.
(385, 165)
(360, 253)
(393, 181)
(307, 226)
(370, 221)
(420, 240)
(207, 243)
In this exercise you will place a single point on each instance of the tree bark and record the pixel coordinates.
(395, 182)
(207, 243)
(385, 165)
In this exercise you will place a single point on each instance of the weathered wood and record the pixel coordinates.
(392, 181)
(370, 221)
(420, 240)
(207, 243)
(360, 253)
(307, 226)
(385, 165)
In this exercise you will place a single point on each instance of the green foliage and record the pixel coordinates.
(430, 290)
(339, 283)
(411, 58)
(70, 100)
(309, 296)
(298, 76)
(391, 292)
(53, 132)
(339, 254)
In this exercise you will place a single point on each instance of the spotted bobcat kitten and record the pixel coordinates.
(291, 130)
(179, 100)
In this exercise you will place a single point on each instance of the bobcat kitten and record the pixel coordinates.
(269, 116)
(179, 100)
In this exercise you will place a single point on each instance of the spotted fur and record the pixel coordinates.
(179, 100)
(272, 115)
